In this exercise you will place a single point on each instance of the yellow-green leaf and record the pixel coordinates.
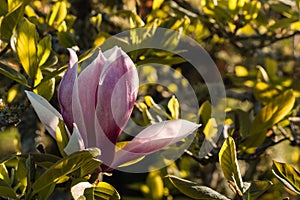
(211, 129)
(58, 173)
(103, 190)
(205, 112)
(44, 50)
(156, 4)
(269, 115)
(26, 47)
(288, 175)
(4, 173)
(58, 13)
(229, 163)
(155, 184)
(46, 88)
(173, 106)
(61, 137)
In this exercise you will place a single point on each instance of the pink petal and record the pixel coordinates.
(116, 93)
(48, 115)
(154, 138)
(65, 90)
(88, 82)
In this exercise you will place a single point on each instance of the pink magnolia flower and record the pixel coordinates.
(97, 104)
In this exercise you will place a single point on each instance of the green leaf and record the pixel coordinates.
(52, 60)
(83, 160)
(269, 115)
(46, 88)
(205, 112)
(155, 184)
(194, 190)
(6, 190)
(26, 47)
(58, 13)
(10, 21)
(229, 163)
(13, 74)
(103, 191)
(210, 129)
(65, 39)
(42, 160)
(257, 188)
(44, 49)
(21, 176)
(288, 175)
(61, 137)
(4, 173)
(173, 106)
(3, 7)
(46, 192)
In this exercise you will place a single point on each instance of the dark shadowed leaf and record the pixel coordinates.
(288, 175)
(194, 190)
(10, 21)
(6, 190)
(65, 39)
(13, 74)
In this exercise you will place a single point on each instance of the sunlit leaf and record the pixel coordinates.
(229, 163)
(210, 129)
(194, 190)
(173, 106)
(4, 173)
(21, 176)
(26, 47)
(46, 88)
(58, 13)
(102, 191)
(288, 175)
(156, 4)
(269, 115)
(44, 49)
(82, 160)
(61, 137)
(205, 112)
(52, 60)
(155, 184)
